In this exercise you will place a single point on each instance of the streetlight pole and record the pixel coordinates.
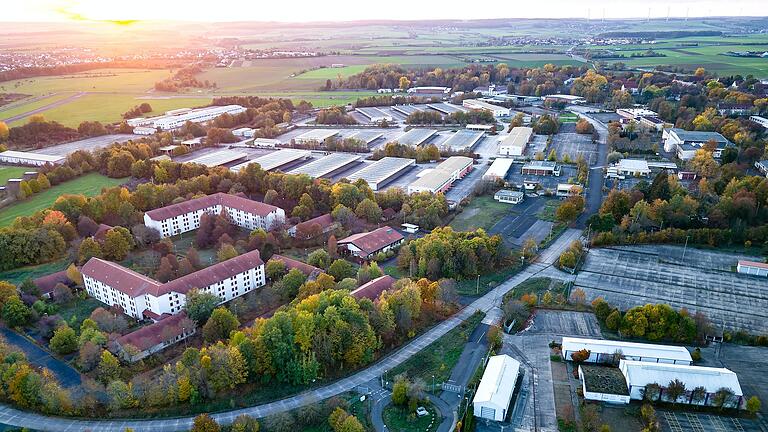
(686, 245)
(433, 383)
(477, 287)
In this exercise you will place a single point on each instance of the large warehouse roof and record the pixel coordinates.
(318, 135)
(712, 379)
(407, 109)
(275, 160)
(326, 164)
(31, 156)
(518, 137)
(218, 158)
(367, 136)
(498, 382)
(630, 349)
(499, 168)
(416, 136)
(455, 164)
(378, 172)
(447, 108)
(463, 138)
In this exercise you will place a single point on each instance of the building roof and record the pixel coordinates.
(518, 137)
(633, 165)
(222, 199)
(275, 160)
(455, 163)
(317, 135)
(479, 104)
(416, 136)
(753, 264)
(540, 165)
(148, 336)
(433, 179)
(712, 379)
(498, 382)
(463, 138)
(326, 164)
(101, 232)
(325, 221)
(210, 275)
(120, 278)
(46, 284)
(31, 156)
(220, 157)
(374, 288)
(291, 263)
(508, 193)
(382, 169)
(499, 168)
(699, 136)
(373, 241)
(632, 349)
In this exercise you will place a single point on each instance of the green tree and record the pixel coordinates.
(226, 252)
(16, 313)
(205, 423)
(319, 259)
(613, 320)
(89, 248)
(219, 326)
(341, 269)
(118, 241)
(400, 391)
(275, 269)
(291, 283)
(754, 405)
(675, 389)
(200, 305)
(368, 210)
(245, 423)
(108, 369)
(64, 340)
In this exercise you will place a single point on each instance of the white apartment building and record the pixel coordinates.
(142, 297)
(185, 216)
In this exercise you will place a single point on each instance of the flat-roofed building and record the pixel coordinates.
(752, 268)
(315, 136)
(415, 137)
(653, 122)
(177, 118)
(32, 159)
(407, 110)
(244, 132)
(605, 351)
(326, 165)
(567, 189)
(144, 130)
(378, 173)
(480, 127)
(509, 196)
(447, 108)
(635, 113)
(374, 115)
(762, 166)
(640, 374)
(762, 121)
(685, 143)
(496, 110)
(366, 136)
(275, 160)
(463, 139)
(442, 177)
(541, 168)
(426, 90)
(494, 393)
(221, 157)
(498, 169)
(185, 216)
(564, 98)
(633, 167)
(515, 143)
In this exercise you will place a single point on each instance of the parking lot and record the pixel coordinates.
(521, 223)
(698, 422)
(701, 281)
(538, 144)
(568, 142)
(516, 177)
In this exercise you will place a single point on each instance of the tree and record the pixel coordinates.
(74, 275)
(118, 241)
(341, 269)
(753, 405)
(108, 369)
(64, 340)
(245, 423)
(221, 323)
(332, 246)
(4, 131)
(200, 305)
(319, 258)
(675, 389)
(580, 356)
(570, 209)
(165, 271)
(723, 398)
(226, 252)
(205, 423)
(404, 83)
(400, 391)
(275, 269)
(15, 313)
(62, 294)
(368, 210)
(613, 320)
(89, 248)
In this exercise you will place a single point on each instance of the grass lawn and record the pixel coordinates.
(398, 419)
(98, 80)
(440, 356)
(547, 213)
(568, 118)
(21, 108)
(482, 212)
(469, 287)
(536, 286)
(18, 275)
(78, 310)
(9, 172)
(89, 185)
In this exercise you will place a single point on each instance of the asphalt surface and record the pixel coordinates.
(66, 374)
(15, 417)
(594, 196)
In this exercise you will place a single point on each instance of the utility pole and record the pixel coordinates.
(686, 246)
(477, 287)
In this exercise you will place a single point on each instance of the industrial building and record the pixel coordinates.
(632, 168)
(541, 168)
(494, 393)
(407, 110)
(366, 136)
(176, 118)
(415, 137)
(31, 159)
(276, 159)
(752, 268)
(635, 113)
(365, 246)
(496, 110)
(244, 132)
(480, 127)
(446, 108)
(685, 143)
(374, 115)
(463, 139)
(219, 158)
(605, 351)
(442, 177)
(266, 143)
(509, 196)
(315, 136)
(380, 172)
(442, 91)
(498, 169)
(653, 122)
(326, 165)
(762, 166)
(564, 98)
(515, 143)
(185, 216)
(144, 130)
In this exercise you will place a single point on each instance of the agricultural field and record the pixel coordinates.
(89, 185)
(32, 103)
(98, 80)
(9, 172)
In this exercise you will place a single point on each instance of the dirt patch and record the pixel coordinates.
(563, 402)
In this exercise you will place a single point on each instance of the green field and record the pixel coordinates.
(482, 212)
(28, 104)
(9, 172)
(98, 80)
(18, 275)
(89, 185)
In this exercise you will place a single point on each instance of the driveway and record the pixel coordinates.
(66, 374)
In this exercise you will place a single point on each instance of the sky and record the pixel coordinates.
(350, 10)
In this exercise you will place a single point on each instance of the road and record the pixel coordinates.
(64, 101)
(67, 376)
(14, 417)
(595, 187)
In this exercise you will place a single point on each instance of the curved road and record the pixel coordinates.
(14, 417)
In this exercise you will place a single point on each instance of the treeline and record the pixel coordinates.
(445, 253)
(137, 111)
(183, 79)
(420, 153)
(389, 100)
(39, 133)
(334, 116)
(459, 117)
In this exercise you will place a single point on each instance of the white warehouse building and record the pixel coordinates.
(185, 216)
(494, 393)
(174, 121)
(603, 351)
(496, 110)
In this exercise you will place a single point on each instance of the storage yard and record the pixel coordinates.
(379, 173)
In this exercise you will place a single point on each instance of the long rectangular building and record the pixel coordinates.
(494, 393)
(516, 142)
(185, 216)
(219, 158)
(367, 136)
(442, 177)
(27, 158)
(275, 160)
(177, 119)
(603, 351)
(142, 297)
(463, 139)
(498, 169)
(378, 173)
(415, 137)
(446, 108)
(315, 136)
(326, 165)
(496, 110)
(375, 115)
(407, 110)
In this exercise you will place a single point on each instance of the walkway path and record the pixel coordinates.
(15, 417)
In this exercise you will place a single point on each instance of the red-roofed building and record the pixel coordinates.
(290, 263)
(373, 289)
(142, 297)
(365, 245)
(752, 268)
(101, 232)
(46, 284)
(155, 337)
(185, 216)
(309, 229)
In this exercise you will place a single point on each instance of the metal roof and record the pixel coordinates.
(447, 108)
(382, 169)
(518, 137)
(498, 382)
(317, 135)
(416, 136)
(275, 160)
(639, 374)
(632, 349)
(463, 138)
(218, 158)
(499, 168)
(367, 136)
(326, 164)
(31, 156)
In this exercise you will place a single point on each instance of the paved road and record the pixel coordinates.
(595, 187)
(66, 374)
(444, 410)
(14, 417)
(43, 108)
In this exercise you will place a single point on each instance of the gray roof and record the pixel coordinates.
(699, 136)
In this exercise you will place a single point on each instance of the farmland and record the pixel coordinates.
(89, 185)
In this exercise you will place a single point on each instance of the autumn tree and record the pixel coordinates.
(221, 323)
(200, 305)
(64, 340)
(118, 241)
(108, 369)
(205, 423)
(88, 249)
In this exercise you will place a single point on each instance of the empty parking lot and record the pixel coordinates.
(568, 142)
